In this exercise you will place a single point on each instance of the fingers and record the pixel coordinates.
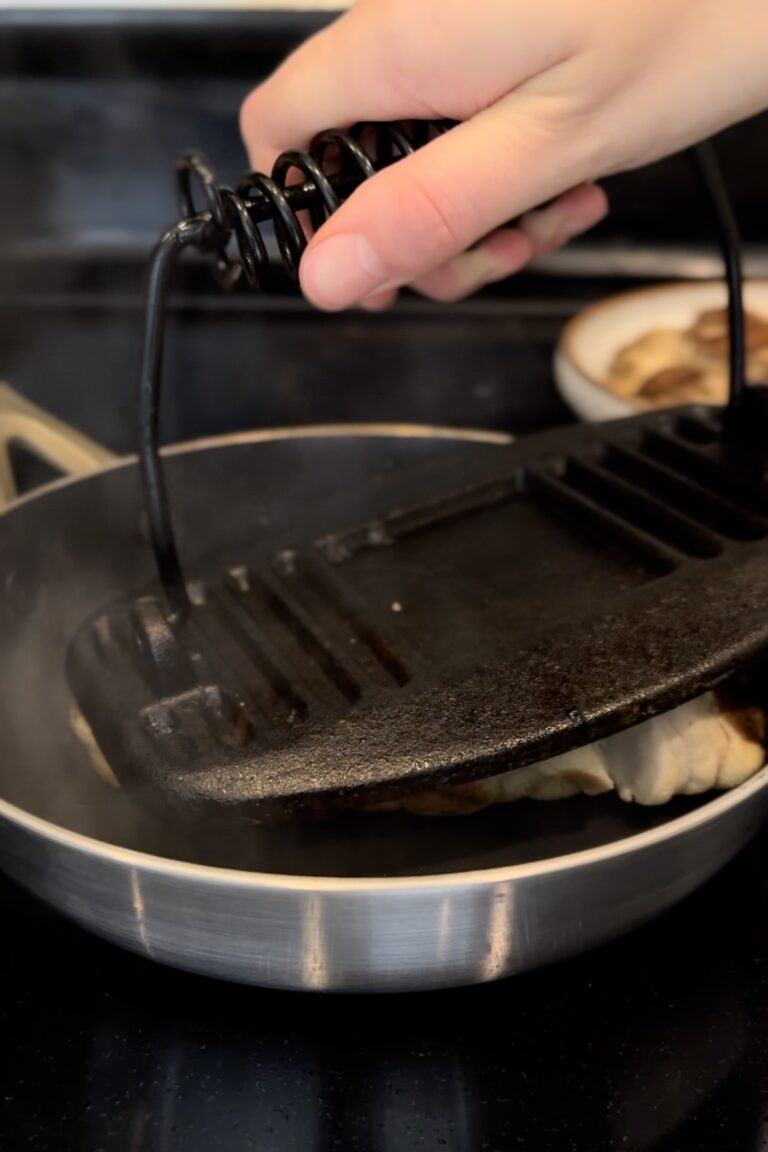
(391, 60)
(574, 212)
(414, 222)
(498, 256)
(418, 214)
(341, 75)
(508, 250)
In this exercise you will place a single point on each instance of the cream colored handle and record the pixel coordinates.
(64, 448)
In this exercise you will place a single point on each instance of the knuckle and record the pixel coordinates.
(249, 112)
(429, 222)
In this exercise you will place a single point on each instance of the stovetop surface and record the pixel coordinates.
(659, 1041)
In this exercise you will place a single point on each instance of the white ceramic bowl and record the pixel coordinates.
(590, 341)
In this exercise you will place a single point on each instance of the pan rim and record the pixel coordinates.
(381, 431)
(340, 885)
(351, 886)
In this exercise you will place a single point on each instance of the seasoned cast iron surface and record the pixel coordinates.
(392, 624)
(83, 545)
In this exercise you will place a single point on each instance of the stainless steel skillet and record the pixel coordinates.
(361, 903)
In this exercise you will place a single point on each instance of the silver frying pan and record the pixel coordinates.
(381, 902)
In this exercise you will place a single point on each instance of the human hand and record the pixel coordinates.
(551, 94)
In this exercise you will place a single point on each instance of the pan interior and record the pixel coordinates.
(383, 627)
(67, 552)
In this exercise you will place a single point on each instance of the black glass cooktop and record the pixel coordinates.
(659, 1041)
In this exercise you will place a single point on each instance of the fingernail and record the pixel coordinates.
(551, 227)
(569, 227)
(338, 272)
(542, 224)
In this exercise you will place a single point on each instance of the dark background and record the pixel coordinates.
(93, 112)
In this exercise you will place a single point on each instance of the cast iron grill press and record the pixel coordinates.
(584, 579)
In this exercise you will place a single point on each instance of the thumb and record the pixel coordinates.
(418, 213)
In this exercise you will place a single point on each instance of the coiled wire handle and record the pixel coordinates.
(225, 224)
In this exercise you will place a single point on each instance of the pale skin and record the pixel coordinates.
(553, 96)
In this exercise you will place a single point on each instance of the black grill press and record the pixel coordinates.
(582, 580)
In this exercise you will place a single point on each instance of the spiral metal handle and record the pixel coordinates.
(236, 214)
(228, 223)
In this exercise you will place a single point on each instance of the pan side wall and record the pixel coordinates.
(358, 937)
